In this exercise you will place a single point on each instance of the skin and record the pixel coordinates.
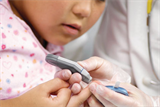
(110, 98)
(46, 19)
(40, 95)
(102, 69)
(74, 79)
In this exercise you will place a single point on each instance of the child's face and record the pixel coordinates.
(59, 21)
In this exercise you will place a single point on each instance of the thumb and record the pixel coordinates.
(92, 63)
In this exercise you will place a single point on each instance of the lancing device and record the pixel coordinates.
(64, 63)
(74, 67)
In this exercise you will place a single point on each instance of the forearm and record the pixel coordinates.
(5, 103)
(9, 103)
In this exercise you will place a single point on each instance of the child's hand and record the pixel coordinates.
(40, 96)
(79, 96)
(79, 99)
(73, 79)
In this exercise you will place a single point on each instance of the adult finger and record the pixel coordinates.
(98, 67)
(101, 99)
(86, 64)
(113, 97)
(93, 102)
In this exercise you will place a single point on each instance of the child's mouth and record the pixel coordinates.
(71, 29)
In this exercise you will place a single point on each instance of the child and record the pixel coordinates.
(31, 29)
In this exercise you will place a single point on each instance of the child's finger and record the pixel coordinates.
(63, 97)
(64, 74)
(77, 100)
(76, 88)
(53, 85)
(75, 78)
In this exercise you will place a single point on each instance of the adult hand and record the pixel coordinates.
(103, 70)
(110, 98)
(73, 79)
(40, 96)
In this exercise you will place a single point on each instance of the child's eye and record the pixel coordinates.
(103, 0)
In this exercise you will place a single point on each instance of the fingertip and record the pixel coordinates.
(76, 88)
(66, 74)
(96, 88)
(75, 78)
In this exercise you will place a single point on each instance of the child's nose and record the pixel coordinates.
(82, 8)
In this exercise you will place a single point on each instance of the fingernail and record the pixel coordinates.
(99, 90)
(92, 87)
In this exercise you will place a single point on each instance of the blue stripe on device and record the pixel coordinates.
(82, 70)
(118, 90)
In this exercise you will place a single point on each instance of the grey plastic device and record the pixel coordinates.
(64, 63)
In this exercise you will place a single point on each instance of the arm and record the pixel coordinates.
(41, 96)
(8, 103)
